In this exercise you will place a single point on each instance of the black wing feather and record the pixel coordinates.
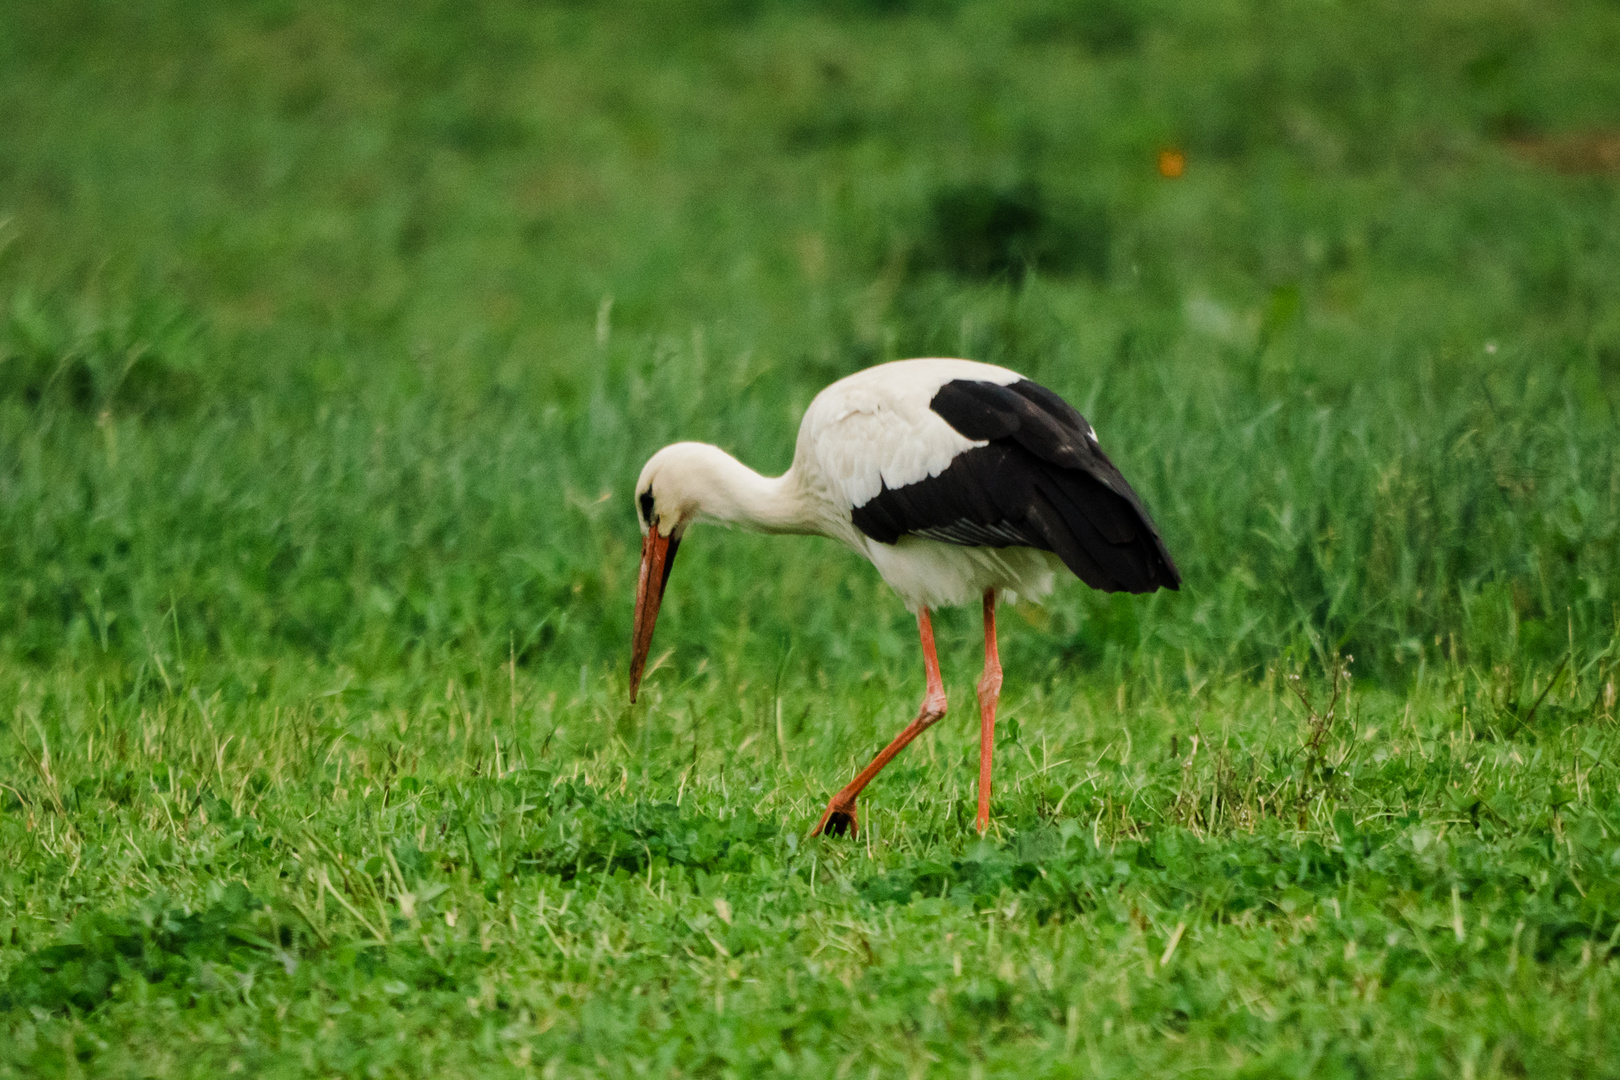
(1042, 482)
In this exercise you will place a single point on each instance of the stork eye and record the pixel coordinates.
(646, 500)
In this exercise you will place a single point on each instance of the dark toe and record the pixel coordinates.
(839, 823)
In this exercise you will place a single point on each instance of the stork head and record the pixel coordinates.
(679, 484)
(668, 497)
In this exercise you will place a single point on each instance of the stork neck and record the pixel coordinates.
(737, 495)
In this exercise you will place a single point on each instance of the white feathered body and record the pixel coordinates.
(875, 429)
(865, 432)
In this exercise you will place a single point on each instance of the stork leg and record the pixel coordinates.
(840, 813)
(989, 695)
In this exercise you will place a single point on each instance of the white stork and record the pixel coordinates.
(959, 480)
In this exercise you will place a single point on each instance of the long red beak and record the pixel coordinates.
(657, 556)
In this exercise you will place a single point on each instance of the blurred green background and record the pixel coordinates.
(340, 333)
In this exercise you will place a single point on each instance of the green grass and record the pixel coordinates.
(331, 341)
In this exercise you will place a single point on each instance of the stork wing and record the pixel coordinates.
(864, 438)
(1027, 472)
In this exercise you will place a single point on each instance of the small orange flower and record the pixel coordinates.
(1172, 163)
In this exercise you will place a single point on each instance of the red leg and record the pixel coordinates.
(989, 694)
(840, 812)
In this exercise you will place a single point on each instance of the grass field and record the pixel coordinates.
(332, 338)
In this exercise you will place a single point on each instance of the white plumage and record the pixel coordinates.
(875, 428)
(864, 432)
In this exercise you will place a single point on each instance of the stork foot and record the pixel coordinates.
(837, 819)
